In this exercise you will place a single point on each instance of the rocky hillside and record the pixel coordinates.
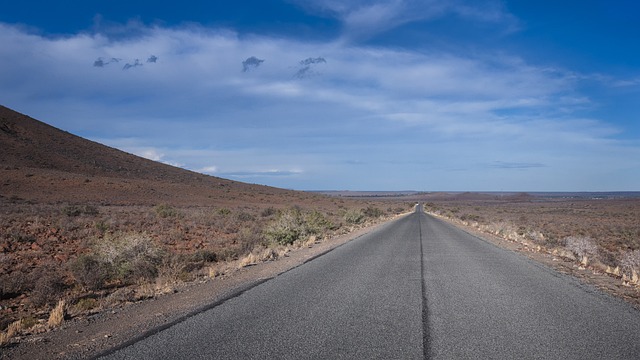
(40, 163)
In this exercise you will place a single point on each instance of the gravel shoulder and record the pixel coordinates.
(88, 337)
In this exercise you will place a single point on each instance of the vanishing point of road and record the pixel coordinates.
(416, 288)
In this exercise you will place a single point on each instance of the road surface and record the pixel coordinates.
(417, 288)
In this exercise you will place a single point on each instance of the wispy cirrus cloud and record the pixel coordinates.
(364, 19)
(515, 165)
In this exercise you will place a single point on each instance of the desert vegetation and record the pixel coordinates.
(600, 234)
(64, 260)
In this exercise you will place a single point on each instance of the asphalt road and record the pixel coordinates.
(415, 288)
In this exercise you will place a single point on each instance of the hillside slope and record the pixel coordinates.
(40, 163)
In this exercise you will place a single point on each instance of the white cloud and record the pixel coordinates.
(208, 169)
(367, 106)
(151, 154)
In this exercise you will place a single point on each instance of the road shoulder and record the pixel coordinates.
(602, 281)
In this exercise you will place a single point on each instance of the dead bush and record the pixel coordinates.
(14, 284)
(249, 238)
(48, 287)
(90, 271)
(581, 246)
(133, 257)
(124, 258)
(504, 229)
(229, 253)
(536, 236)
(630, 263)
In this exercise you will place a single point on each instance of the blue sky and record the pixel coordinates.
(427, 95)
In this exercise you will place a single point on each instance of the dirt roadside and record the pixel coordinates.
(91, 336)
(88, 337)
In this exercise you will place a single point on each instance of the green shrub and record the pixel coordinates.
(102, 226)
(316, 223)
(372, 212)
(294, 224)
(354, 216)
(244, 217)
(286, 229)
(204, 256)
(86, 304)
(29, 322)
(76, 210)
(224, 211)
(165, 211)
(268, 212)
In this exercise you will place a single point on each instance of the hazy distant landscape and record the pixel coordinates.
(486, 194)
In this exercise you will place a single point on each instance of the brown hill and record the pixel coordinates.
(40, 163)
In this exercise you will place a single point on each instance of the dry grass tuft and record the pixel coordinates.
(56, 318)
(12, 330)
(250, 259)
(261, 255)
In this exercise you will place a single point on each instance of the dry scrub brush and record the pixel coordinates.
(630, 264)
(294, 224)
(122, 258)
(583, 247)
